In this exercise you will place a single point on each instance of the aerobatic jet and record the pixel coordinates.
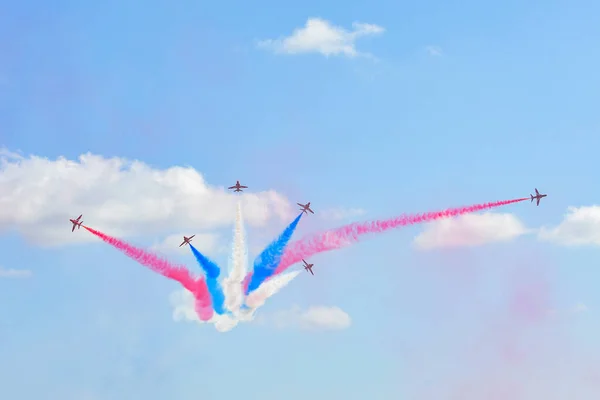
(186, 240)
(537, 196)
(76, 222)
(237, 187)
(308, 267)
(305, 208)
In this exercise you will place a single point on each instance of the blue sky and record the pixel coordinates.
(508, 104)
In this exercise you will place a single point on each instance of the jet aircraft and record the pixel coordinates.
(537, 196)
(237, 187)
(308, 267)
(305, 208)
(76, 222)
(186, 240)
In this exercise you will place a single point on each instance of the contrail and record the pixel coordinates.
(157, 264)
(212, 271)
(340, 237)
(232, 285)
(269, 259)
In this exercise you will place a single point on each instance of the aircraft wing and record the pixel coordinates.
(536, 191)
(244, 187)
(311, 211)
(73, 228)
(78, 218)
(231, 187)
(538, 201)
(310, 269)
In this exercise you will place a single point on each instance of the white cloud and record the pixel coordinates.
(580, 226)
(434, 51)
(579, 308)
(340, 214)
(15, 273)
(183, 310)
(206, 243)
(470, 230)
(120, 197)
(320, 36)
(315, 318)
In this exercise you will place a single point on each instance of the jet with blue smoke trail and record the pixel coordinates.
(212, 271)
(266, 263)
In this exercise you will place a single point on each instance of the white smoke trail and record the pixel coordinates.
(183, 301)
(232, 285)
(267, 289)
(183, 310)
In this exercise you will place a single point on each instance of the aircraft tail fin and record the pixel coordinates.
(531, 198)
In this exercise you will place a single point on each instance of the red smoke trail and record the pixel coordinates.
(335, 239)
(178, 273)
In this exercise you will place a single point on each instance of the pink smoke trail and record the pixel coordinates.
(340, 237)
(178, 273)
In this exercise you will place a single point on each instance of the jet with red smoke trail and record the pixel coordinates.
(537, 196)
(76, 222)
(179, 273)
(186, 240)
(305, 207)
(348, 234)
(308, 267)
(237, 187)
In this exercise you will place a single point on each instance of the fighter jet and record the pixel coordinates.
(537, 196)
(186, 240)
(76, 222)
(305, 208)
(237, 187)
(308, 267)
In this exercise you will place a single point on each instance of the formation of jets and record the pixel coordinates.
(537, 196)
(305, 208)
(186, 240)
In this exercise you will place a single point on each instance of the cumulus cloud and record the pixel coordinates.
(314, 318)
(470, 230)
(183, 310)
(580, 308)
(15, 273)
(340, 214)
(580, 226)
(434, 51)
(121, 197)
(320, 36)
(577, 309)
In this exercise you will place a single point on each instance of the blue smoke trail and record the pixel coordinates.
(266, 263)
(212, 272)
